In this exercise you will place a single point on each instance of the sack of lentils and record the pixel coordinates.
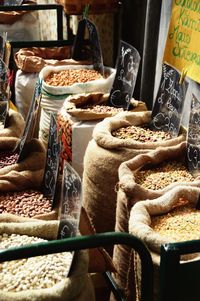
(42, 277)
(115, 140)
(172, 217)
(26, 174)
(58, 83)
(147, 176)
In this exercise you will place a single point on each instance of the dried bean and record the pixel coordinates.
(101, 109)
(141, 134)
(25, 203)
(182, 223)
(31, 273)
(8, 158)
(72, 76)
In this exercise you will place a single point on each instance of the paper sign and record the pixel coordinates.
(124, 83)
(182, 46)
(30, 121)
(49, 182)
(78, 47)
(71, 202)
(168, 107)
(193, 138)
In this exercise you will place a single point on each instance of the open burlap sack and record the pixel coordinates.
(103, 157)
(26, 174)
(76, 287)
(140, 226)
(14, 127)
(129, 193)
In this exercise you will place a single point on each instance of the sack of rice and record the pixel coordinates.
(115, 140)
(173, 217)
(58, 83)
(147, 176)
(43, 277)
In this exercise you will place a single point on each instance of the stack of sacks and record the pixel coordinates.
(105, 153)
(147, 176)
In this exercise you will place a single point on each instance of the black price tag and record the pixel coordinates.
(78, 47)
(124, 83)
(30, 121)
(168, 107)
(13, 3)
(49, 182)
(4, 107)
(71, 203)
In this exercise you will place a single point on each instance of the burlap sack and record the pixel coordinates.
(140, 226)
(14, 127)
(10, 17)
(76, 287)
(103, 156)
(129, 193)
(26, 174)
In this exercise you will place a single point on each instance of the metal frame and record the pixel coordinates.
(179, 281)
(87, 242)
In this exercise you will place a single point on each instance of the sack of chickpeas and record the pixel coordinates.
(172, 217)
(28, 173)
(147, 176)
(58, 83)
(115, 140)
(42, 277)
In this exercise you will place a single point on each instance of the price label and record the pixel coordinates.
(124, 83)
(49, 182)
(4, 107)
(168, 107)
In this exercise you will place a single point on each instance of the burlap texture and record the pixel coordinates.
(26, 174)
(14, 127)
(140, 226)
(10, 17)
(76, 287)
(129, 193)
(103, 157)
(32, 60)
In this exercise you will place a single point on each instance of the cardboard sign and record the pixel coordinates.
(126, 75)
(182, 45)
(30, 121)
(78, 47)
(168, 107)
(71, 202)
(193, 138)
(49, 182)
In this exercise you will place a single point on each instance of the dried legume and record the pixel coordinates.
(26, 203)
(162, 175)
(8, 158)
(72, 76)
(182, 223)
(141, 134)
(31, 273)
(101, 109)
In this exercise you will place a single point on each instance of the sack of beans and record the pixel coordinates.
(42, 277)
(172, 217)
(26, 174)
(147, 176)
(58, 83)
(104, 154)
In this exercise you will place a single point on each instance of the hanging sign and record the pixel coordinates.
(49, 182)
(126, 74)
(168, 106)
(78, 47)
(182, 46)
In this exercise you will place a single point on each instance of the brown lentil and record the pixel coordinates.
(27, 203)
(72, 76)
(8, 158)
(161, 176)
(182, 223)
(141, 134)
(31, 273)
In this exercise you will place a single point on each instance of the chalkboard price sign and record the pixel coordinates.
(168, 107)
(49, 182)
(78, 47)
(126, 75)
(4, 106)
(30, 121)
(71, 202)
(193, 138)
